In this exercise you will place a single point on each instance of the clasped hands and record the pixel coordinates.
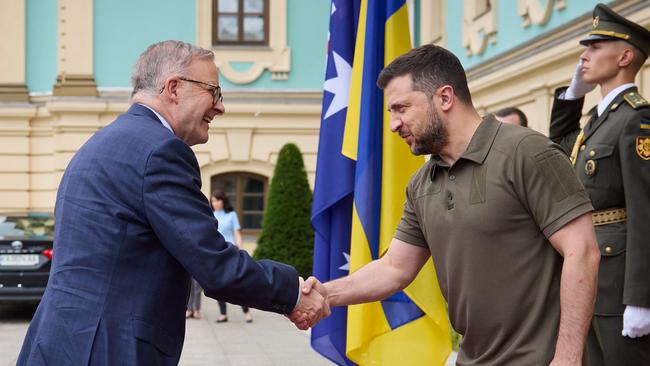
(313, 305)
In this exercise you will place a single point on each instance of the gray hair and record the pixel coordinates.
(160, 60)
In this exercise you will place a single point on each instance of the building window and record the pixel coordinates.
(247, 193)
(240, 22)
(272, 55)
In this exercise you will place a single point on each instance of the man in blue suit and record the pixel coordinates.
(133, 225)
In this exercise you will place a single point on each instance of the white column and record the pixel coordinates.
(75, 49)
(12, 49)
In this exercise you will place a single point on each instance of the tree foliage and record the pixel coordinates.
(287, 235)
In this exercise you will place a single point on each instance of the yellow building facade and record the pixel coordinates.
(40, 131)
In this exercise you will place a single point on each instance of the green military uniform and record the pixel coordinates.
(611, 157)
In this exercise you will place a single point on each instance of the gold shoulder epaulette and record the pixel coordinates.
(635, 100)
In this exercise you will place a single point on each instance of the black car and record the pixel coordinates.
(25, 256)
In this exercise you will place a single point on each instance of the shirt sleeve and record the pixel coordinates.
(634, 150)
(547, 184)
(408, 229)
(565, 120)
(235, 221)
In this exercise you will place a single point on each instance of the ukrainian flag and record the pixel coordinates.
(361, 175)
(411, 327)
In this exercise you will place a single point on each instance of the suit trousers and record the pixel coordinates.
(607, 347)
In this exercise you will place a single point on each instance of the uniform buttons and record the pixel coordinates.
(452, 177)
(582, 147)
(592, 153)
(608, 249)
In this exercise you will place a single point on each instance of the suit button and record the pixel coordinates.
(608, 249)
(592, 153)
(582, 147)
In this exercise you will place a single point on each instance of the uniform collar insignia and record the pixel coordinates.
(635, 100)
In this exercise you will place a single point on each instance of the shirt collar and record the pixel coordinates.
(479, 146)
(602, 106)
(161, 118)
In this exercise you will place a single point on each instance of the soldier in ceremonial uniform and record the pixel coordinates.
(611, 156)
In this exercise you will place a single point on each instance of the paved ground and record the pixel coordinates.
(270, 340)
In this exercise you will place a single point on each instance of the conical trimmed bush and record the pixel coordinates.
(287, 235)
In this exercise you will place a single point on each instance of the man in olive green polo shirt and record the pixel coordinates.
(501, 213)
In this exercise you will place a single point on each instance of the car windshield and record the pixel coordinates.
(30, 226)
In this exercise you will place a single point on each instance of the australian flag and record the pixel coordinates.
(334, 187)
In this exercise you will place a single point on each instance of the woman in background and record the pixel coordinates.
(230, 229)
(194, 302)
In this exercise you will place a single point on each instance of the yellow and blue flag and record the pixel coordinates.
(361, 176)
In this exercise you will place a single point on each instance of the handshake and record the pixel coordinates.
(313, 305)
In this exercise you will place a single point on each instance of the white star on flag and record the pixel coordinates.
(346, 266)
(339, 85)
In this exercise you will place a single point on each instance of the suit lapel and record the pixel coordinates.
(593, 125)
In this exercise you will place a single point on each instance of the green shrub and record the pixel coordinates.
(287, 235)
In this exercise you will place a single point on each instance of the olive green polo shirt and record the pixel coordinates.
(486, 221)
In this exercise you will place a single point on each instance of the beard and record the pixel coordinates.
(434, 137)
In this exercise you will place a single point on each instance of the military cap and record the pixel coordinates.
(607, 25)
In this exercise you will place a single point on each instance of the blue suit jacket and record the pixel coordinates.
(131, 222)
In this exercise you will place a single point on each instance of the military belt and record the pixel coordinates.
(611, 216)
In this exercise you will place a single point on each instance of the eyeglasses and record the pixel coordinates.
(214, 89)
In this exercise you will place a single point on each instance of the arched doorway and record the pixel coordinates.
(247, 193)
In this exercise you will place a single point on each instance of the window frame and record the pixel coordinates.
(238, 204)
(240, 25)
(275, 58)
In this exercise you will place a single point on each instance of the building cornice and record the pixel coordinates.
(570, 33)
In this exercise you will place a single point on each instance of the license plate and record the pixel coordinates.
(18, 259)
